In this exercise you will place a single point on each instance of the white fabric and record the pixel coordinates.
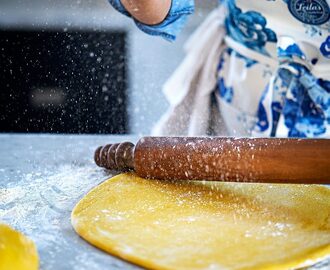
(188, 89)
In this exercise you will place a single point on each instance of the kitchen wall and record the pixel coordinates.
(151, 59)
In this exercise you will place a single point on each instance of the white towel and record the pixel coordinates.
(189, 89)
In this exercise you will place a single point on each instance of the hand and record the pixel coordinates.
(149, 12)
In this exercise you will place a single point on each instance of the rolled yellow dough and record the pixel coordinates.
(196, 225)
(16, 250)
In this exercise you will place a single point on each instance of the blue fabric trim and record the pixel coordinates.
(172, 24)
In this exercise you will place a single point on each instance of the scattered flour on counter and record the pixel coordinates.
(40, 204)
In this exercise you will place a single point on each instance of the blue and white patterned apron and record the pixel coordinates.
(274, 75)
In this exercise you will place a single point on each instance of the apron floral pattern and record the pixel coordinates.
(249, 28)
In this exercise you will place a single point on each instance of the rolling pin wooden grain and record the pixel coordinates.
(264, 160)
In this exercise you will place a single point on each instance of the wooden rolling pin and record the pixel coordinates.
(267, 160)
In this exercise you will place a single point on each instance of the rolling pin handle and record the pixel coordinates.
(124, 156)
(111, 161)
(104, 155)
(97, 155)
(116, 157)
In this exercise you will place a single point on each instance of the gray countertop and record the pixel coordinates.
(42, 177)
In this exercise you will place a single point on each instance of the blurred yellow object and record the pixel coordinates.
(17, 252)
(213, 225)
